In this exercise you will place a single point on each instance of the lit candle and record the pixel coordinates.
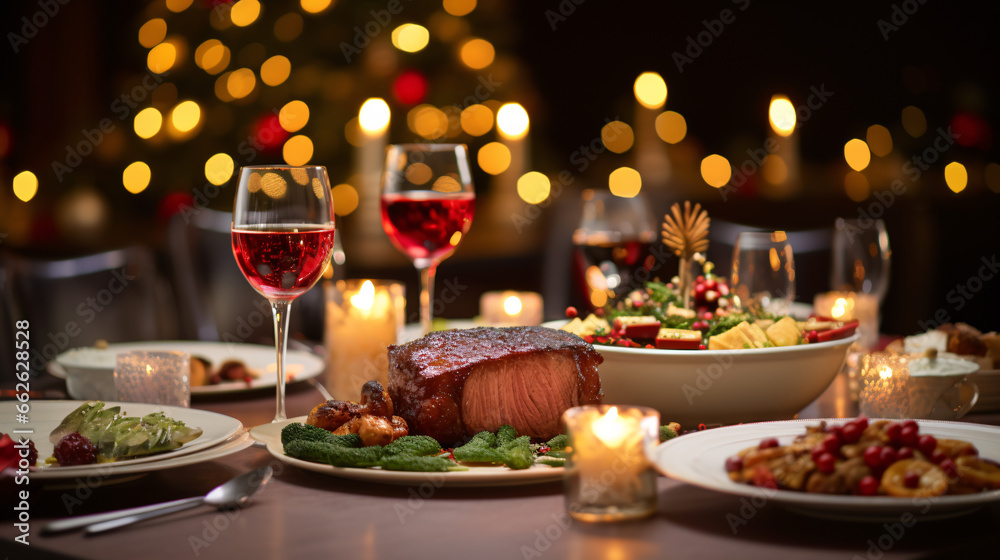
(781, 165)
(650, 158)
(608, 473)
(363, 318)
(510, 308)
(847, 306)
(884, 385)
(373, 120)
(512, 128)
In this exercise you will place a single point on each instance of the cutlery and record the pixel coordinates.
(234, 493)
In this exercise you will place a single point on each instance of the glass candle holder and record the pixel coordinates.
(154, 377)
(608, 473)
(363, 317)
(505, 309)
(884, 385)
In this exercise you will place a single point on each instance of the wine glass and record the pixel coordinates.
(613, 243)
(427, 207)
(763, 272)
(282, 239)
(861, 257)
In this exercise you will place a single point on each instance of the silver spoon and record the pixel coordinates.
(233, 493)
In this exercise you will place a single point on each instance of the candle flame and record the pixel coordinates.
(365, 297)
(374, 115)
(149, 369)
(839, 308)
(609, 429)
(782, 115)
(885, 372)
(512, 120)
(512, 305)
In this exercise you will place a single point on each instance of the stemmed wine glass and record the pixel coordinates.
(282, 239)
(427, 207)
(861, 257)
(763, 272)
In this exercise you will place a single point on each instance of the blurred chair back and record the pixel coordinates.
(215, 300)
(811, 249)
(117, 296)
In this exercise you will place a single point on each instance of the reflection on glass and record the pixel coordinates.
(763, 272)
(861, 257)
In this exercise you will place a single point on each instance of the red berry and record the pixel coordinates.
(909, 435)
(949, 468)
(710, 284)
(571, 312)
(862, 421)
(701, 347)
(868, 486)
(927, 444)
(825, 463)
(699, 289)
(911, 423)
(599, 312)
(873, 456)
(888, 457)
(892, 431)
(734, 463)
(938, 456)
(75, 449)
(768, 443)
(911, 479)
(708, 316)
(650, 346)
(815, 452)
(764, 478)
(700, 279)
(813, 336)
(831, 443)
(904, 453)
(852, 432)
(837, 431)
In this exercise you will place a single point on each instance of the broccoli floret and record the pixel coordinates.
(307, 432)
(419, 464)
(517, 454)
(330, 454)
(667, 432)
(503, 447)
(505, 435)
(416, 446)
(480, 449)
(558, 443)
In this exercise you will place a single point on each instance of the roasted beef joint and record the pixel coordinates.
(452, 384)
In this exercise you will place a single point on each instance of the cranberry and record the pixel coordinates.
(862, 422)
(75, 449)
(768, 443)
(699, 289)
(911, 479)
(650, 346)
(813, 336)
(938, 456)
(912, 424)
(909, 435)
(32, 454)
(873, 456)
(710, 284)
(571, 312)
(868, 486)
(707, 315)
(701, 347)
(825, 462)
(700, 279)
(949, 468)
(904, 453)
(852, 432)
(815, 452)
(734, 463)
(764, 478)
(837, 431)
(831, 443)
(927, 444)
(888, 456)
(892, 431)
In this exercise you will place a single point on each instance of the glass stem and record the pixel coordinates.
(426, 296)
(281, 311)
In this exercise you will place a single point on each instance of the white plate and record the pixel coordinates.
(699, 459)
(270, 435)
(90, 361)
(45, 416)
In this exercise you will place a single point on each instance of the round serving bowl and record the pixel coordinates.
(694, 387)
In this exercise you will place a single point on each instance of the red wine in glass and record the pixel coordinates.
(423, 224)
(282, 262)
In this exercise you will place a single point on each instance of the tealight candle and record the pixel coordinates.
(847, 306)
(154, 377)
(363, 317)
(510, 308)
(608, 474)
(884, 385)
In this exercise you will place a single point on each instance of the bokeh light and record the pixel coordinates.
(288, 27)
(314, 6)
(244, 12)
(185, 116)
(477, 53)
(219, 168)
(459, 7)
(275, 70)
(152, 32)
(429, 122)
(625, 182)
(879, 140)
(716, 171)
(147, 122)
(856, 154)
(856, 186)
(914, 121)
(178, 6)
(161, 58)
(345, 199)
(650, 90)
(533, 187)
(781, 114)
(512, 120)
(25, 185)
(992, 173)
(671, 127)
(293, 115)
(410, 37)
(298, 150)
(617, 136)
(956, 176)
(374, 115)
(494, 158)
(477, 120)
(241, 83)
(136, 177)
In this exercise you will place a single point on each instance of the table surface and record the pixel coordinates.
(304, 514)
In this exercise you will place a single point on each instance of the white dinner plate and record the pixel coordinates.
(699, 459)
(299, 365)
(270, 435)
(45, 416)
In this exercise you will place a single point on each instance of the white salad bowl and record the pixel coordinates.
(709, 387)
